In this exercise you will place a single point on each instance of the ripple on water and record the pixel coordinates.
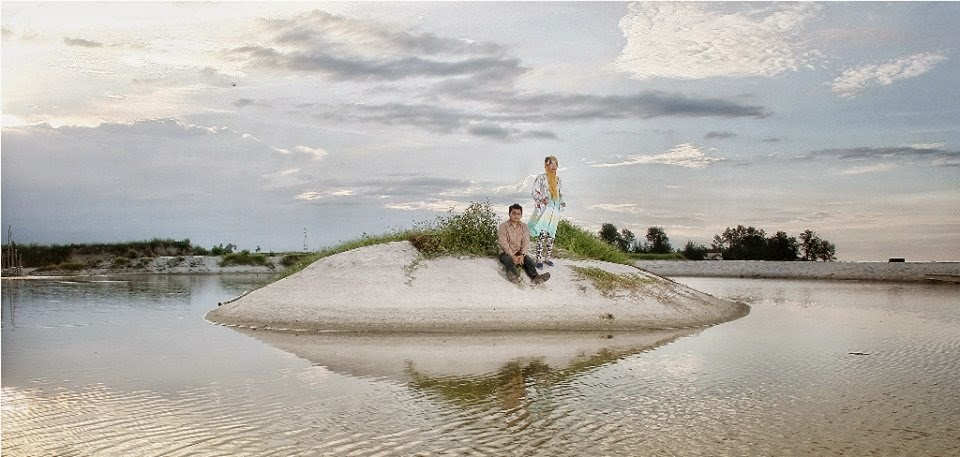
(779, 382)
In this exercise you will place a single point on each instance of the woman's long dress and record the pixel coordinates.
(545, 217)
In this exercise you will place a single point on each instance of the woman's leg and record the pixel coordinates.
(540, 240)
(549, 245)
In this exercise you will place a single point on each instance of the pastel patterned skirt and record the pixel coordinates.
(545, 219)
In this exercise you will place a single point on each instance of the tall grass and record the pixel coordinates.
(472, 233)
(578, 243)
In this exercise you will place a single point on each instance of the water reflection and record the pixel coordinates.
(467, 369)
(95, 369)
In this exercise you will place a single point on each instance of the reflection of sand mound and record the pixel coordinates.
(388, 288)
(421, 356)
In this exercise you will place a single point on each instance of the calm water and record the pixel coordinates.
(818, 368)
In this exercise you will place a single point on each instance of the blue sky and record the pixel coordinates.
(247, 123)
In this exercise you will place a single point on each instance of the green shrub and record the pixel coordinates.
(579, 243)
(63, 266)
(473, 232)
(245, 258)
(120, 262)
(290, 260)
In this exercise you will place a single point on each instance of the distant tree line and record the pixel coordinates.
(739, 243)
(36, 255)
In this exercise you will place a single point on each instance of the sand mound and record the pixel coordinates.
(390, 288)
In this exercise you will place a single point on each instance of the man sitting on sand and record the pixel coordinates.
(514, 243)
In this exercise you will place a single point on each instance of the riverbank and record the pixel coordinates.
(156, 265)
(865, 271)
(391, 288)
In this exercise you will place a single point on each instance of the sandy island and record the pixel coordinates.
(389, 288)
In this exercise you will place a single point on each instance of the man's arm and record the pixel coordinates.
(525, 244)
(502, 239)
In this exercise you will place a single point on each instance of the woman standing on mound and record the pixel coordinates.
(548, 199)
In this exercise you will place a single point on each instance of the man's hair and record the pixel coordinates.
(515, 206)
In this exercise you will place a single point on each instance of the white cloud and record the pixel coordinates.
(927, 145)
(626, 208)
(853, 81)
(682, 155)
(867, 169)
(687, 40)
(524, 184)
(307, 196)
(318, 153)
(431, 205)
(313, 195)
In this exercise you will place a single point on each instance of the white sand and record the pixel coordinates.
(386, 288)
(871, 271)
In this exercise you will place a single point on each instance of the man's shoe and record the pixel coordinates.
(512, 277)
(548, 262)
(541, 278)
(539, 266)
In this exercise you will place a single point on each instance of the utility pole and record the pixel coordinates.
(304, 239)
(12, 258)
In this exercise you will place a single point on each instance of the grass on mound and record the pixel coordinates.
(297, 262)
(470, 233)
(608, 283)
(578, 243)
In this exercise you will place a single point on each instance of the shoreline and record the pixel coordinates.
(948, 272)
(161, 265)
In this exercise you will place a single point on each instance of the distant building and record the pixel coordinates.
(713, 254)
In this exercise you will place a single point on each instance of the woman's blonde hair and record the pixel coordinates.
(551, 176)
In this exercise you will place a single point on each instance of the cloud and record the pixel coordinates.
(683, 155)
(643, 105)
(392, 188)
(358, 35)
(520, 186)
(317, 153)
(469, 87)
(719, 135)
(434, 205)
(80, 42)
(344, 48)
(868, 169)
(687, 40)
(505, 109)
(853, 81)
(509, 134)
(312, 195)
(936, 156)
(624, 208)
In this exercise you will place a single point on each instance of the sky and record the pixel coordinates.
(279, 125)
